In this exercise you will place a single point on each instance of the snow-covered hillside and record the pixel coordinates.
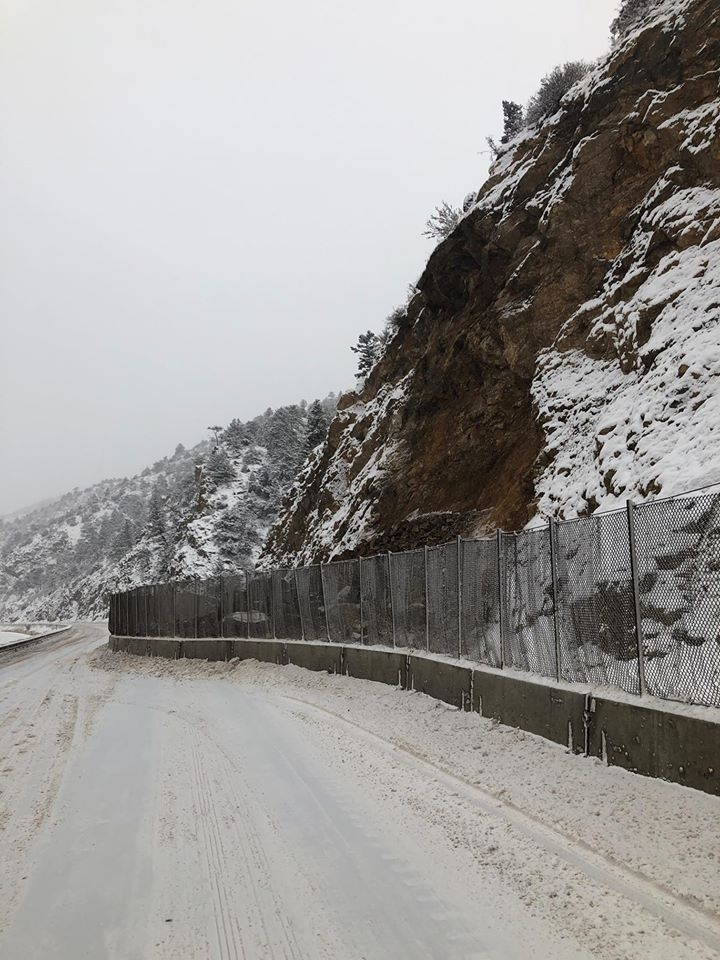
(561, 351)
(197, 513)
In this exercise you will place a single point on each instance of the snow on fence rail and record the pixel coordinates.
(629, 598)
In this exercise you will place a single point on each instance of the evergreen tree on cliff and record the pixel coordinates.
(236, 537)
(236, 436)
(366, 349)
(284, 437)
(513, 119)
(124, 542)
(318, 421)
(218, 467)
(156, 525)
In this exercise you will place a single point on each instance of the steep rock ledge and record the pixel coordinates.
(563, 338)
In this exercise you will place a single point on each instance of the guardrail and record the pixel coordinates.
(26, 641)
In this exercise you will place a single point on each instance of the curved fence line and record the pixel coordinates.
(629, 598)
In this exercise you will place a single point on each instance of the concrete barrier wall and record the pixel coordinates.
(444, 681)
(655, 742)
(267, 651)
(650, 739)
(556, 713)
(315, 656)
(390, 668)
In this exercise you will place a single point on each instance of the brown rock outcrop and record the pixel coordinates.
(463, 425)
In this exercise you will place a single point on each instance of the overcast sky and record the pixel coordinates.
(203, 203)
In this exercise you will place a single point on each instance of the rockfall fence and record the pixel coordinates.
(627, 598)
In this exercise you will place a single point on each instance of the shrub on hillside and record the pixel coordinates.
(443, 221)
(553, 88)
(628, 15)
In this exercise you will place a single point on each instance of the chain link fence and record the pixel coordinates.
(595, 604)
(628, 598)
(376, 600)
(678, 559)
(341, 589)
(408, 583)
(443, 599)
(527, 606)
(309, 585)
(480, 602)
(286, 608)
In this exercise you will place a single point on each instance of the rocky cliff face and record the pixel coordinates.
(562, 352)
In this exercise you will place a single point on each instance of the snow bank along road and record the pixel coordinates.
(161, 809)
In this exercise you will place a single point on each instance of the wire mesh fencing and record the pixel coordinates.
(234, 606)
(480, 602)
(408, 583)
(311, 602)
(678, 551)
(443, 599)
(341, 589)
(528, 609)
(207, 602)
(628, 598)
(286, 608)
(596, 619)
(260, 612)
(376, 600)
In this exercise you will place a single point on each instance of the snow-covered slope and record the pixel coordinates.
(197, 513)
(562, 352)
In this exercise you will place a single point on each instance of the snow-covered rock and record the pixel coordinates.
(562, 352)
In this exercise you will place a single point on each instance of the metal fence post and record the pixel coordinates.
(427, 605)
(272, 604)
(221, 607)
(297, 594)
(362, 624)
(174, 601)
(196, 605)
(636, 597)
(325, 606)
(498, 539)
(392, 600)
(460, 594)
(556, 618)
(247, 603)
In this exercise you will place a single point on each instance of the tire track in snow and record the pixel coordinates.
(227, 932)
(702, 925)
(267, 910)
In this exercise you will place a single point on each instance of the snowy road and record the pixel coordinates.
(156, 810)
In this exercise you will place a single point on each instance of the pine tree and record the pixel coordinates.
(284, 437)
(317, 425)
(124, 541)
(366, 349)
(236, 537)
(218, 467)
(156, 525)
(513, 120)
(236, 436)
(87, 548)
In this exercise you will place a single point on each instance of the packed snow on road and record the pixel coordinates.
(178, 809)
